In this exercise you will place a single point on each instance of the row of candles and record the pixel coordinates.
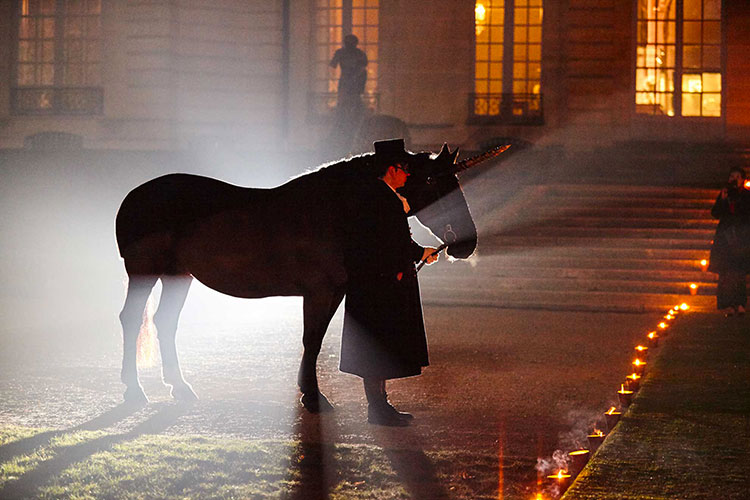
(577, 459)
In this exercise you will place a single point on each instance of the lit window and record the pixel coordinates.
(335, 19)
(678, 60)
(57, 62)
(508, 59)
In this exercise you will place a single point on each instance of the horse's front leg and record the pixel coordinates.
(174, 292)
(318, 311)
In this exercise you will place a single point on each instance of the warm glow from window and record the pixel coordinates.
(479, 17)
(699, 92)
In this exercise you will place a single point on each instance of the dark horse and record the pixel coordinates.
(287, 241)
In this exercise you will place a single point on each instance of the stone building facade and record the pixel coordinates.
(254, 74)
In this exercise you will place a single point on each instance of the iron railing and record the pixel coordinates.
(515, 109)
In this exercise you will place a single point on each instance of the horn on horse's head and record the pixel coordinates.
(476, 160)
(446, 155)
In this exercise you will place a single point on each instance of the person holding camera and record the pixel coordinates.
(730, 251)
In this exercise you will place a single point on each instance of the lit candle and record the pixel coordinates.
(653, 339)
(633, 381)
(578, 460)
(704, 265)
(642, 349)
(612, 416)
(562, 478)
(596, 439)
(625, 395)
(663, 325)
(639, 366)
(684, 307)
(693, 289)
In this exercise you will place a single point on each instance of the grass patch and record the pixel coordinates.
(45, 464)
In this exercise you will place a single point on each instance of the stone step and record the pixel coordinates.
(596, 271)
(531, 261)
(624, 222)
(628, 191)
(492, 242)
(602, 252)
(626, 212)
(600, 283)
(564, 300)
(635, 202)
(614, 233)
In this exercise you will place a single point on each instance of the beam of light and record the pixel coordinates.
(146, 344)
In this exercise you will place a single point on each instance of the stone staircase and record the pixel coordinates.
(586, 247)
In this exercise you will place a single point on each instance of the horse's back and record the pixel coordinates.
(170, 204)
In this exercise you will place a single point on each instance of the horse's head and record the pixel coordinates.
(436, 198)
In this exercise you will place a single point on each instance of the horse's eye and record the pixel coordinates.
(430, 180)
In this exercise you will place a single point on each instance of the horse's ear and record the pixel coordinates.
(444, 152)
(453, 156)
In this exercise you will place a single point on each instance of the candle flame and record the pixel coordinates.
(662, 325)
(668, 317)
(684, 306)
(611, 411)
(693, 286)
(638, 362)
(599, 433)
(704, 262)
(633, 376)
(652, 335)
(640, 348)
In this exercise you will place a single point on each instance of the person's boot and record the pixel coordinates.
(379, 410)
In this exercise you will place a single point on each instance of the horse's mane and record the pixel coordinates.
(355, 167)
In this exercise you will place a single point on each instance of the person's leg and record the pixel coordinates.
(379, 410)
(725, 293)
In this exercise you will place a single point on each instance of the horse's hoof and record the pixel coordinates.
(183, 392)
(316, 403)
(135, 396)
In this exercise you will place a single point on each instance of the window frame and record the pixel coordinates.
(679, 71)
(529, 105)
(60, 94)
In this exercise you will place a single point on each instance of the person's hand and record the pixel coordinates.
(430, 255)
(724, 193)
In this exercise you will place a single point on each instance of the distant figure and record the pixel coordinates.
(384, 335)
(353, 63)
(730, 252)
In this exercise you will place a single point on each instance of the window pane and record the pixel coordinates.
(372, 17)
(496, 52)
(692, 32)
(48, 51)
(27, 28)
(481, 86)
(520, 70)
(712, 82)
(712, 32)
(75, 6)
(520, 16)
(711, 9)
(26, 74)
(644, 98)
(520, 87)
(47, 6)
(711, 57)
(665, 103)
(48, 28)
(645, 79)
(519, 34)
(519, 52)
(691, 56)
(535, 52)
(535, 16)
(535, 34)
(482, 52)
(74, 27)
(481, 71)
(691, 104)
(358, 17)
(26, 51)
(496, 86)
(496, 71)
(692, 9)
(535, 71)
(711, 105)
(691, 83)
(48, 74)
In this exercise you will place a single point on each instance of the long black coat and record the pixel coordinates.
(384, 335)
(729, 251)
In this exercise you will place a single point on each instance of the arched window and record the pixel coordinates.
(57, 58)
(678, 58)
(507, 61)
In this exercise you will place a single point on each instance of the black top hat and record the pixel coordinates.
(390, 151)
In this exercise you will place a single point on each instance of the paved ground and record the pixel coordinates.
(512, 386)
(687, 434)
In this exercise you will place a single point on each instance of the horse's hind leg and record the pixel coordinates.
(131, 317)
(318, 311)
(173, 294)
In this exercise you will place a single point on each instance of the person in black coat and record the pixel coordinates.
(384, 335)
(730, 257)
